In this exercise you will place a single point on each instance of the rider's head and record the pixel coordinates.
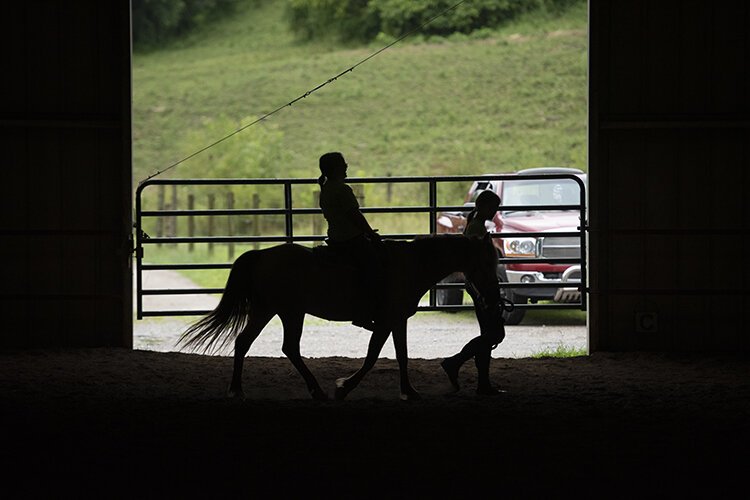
(332, 166)
(487, 204)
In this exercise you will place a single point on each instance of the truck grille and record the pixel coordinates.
(560, 247)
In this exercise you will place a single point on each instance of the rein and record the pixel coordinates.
(504, 303)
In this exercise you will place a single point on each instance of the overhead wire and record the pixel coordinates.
(306, 94)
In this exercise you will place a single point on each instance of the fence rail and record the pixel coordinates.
(288, 211)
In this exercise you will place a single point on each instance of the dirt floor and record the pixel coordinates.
(119, 423)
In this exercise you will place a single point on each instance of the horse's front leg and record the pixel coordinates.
(345, 385)
(399, 343)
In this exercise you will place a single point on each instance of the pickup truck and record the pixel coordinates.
(528, 192)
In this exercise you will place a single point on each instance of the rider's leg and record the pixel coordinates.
(292, 334)
(258, 320)
(373, 273)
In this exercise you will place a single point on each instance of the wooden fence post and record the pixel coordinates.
(359, 193)
(173, 219)
(160, 219)
(230, 206)
(210, 223)
(256, 220)
(191, 221)
(317, 222)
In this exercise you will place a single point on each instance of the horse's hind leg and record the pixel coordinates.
(292, 335)
(258, 320)
(345, 385)
(399, 343)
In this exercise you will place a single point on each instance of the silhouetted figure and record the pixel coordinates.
(491, 322)
(349, 233)
(291, 280)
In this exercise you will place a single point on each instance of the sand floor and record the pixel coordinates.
(121, 423)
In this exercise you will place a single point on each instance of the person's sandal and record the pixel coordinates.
(489, 391)
(452, 372)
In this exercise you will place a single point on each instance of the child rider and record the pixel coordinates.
(349, 233)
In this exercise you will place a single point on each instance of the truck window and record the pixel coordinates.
(541, 192)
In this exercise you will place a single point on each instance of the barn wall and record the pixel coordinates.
(65, 205)
(669, 133)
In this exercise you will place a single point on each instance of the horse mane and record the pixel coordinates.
(427, 243)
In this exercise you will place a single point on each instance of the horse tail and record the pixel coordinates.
(222, 325)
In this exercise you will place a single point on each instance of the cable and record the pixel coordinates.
(309, 92)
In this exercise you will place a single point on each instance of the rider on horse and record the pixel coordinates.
(349, 233)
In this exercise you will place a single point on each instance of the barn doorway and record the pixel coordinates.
(562, 40)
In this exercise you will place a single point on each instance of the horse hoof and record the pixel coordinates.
(341, 390)
(236, 394)
(319, 395)
(413, 396)
(490, 391)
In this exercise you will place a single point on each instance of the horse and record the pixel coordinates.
(291, 280)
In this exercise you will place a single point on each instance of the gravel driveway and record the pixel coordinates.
(430, 335)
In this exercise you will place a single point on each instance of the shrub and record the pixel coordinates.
(363, 20)
(344, 19)
(156, 21)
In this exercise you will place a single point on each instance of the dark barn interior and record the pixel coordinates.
(660, 407)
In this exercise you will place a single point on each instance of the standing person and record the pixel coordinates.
(349, 233)
(491, 323)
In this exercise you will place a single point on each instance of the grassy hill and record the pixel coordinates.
(510, 99)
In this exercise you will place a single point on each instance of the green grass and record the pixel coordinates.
(561, 351)
(548, 317)
(511, 99)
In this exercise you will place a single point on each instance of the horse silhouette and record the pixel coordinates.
(289, 280)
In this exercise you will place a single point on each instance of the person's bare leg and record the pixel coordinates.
(452, 365)
(482, 360)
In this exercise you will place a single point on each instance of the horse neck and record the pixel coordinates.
(441, 256)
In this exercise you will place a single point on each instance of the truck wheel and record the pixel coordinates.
(516, 315)
(447, 297)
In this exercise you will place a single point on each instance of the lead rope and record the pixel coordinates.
(309, 92)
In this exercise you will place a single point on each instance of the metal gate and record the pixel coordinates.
(143, 240)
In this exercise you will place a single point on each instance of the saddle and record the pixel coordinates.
(331, 257)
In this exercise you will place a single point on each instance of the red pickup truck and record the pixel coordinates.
(528, 193)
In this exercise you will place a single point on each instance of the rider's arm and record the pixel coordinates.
(360, 221)
(351, 207)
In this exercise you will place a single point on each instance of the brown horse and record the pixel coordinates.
(290, 281)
